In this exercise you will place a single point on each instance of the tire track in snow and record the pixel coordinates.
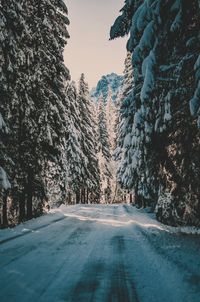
(21, 250)
(77, 237)
(122, 287)
(31, 230)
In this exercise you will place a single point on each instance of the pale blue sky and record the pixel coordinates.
(89, 49)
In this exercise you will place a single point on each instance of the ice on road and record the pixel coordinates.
(100, 253)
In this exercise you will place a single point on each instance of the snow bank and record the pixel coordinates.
(150, 219)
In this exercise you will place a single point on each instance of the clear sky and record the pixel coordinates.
(89, 49)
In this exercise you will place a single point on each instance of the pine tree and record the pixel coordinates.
(49, 32)
(125, 116)
(124, 127)
(104, 153)
(111, 117)
(90, 170)
(164, 45)
(73, 148)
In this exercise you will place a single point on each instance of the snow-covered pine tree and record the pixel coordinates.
(111, 117)
(49, 22)
(124, 123)
(104, 152)
(125, 117)
(164, 46)
(90, 188)
(74, 151)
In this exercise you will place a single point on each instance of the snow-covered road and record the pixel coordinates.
(98, 253)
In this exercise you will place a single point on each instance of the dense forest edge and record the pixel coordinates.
(160, 118)
(58, 146)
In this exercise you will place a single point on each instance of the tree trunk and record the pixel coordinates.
(21, 200)
(84, 196)
(29, 197)
(69, 198)
(131, 198)
(78, 197)
(29, 205)
(114, 197)
(81, 195)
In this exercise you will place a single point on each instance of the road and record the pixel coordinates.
(100, 253)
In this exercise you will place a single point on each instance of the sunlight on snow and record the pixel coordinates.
(115, 223)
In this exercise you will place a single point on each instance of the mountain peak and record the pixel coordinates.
(111, 81)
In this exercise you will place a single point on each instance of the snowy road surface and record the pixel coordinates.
(101, 254)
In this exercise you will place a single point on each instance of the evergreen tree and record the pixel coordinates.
(164, 45)
(90, 187)
(49, 32)
(124, 128)
(125, 116)
(104, 153)
(111, 117)
(73, 149)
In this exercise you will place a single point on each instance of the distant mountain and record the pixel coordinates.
(112, 81)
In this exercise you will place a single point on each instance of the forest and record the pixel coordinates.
(59, 146)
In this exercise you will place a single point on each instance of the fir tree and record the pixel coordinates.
(124, 128)
(104, 152)
(125, 116)
(73, 148)
(111, 117)
(49, 32)
(90, 169)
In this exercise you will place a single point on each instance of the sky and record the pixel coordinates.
(89, 49)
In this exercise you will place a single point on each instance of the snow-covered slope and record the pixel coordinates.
(112, 81)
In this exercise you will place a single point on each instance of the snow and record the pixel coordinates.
(194, 105)
(3, 126)
(4, 182)
(148, 38)
(99, 253)
(177, 22)
(108, 83)
(148, 74)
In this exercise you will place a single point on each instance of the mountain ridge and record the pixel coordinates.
(111, 81)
